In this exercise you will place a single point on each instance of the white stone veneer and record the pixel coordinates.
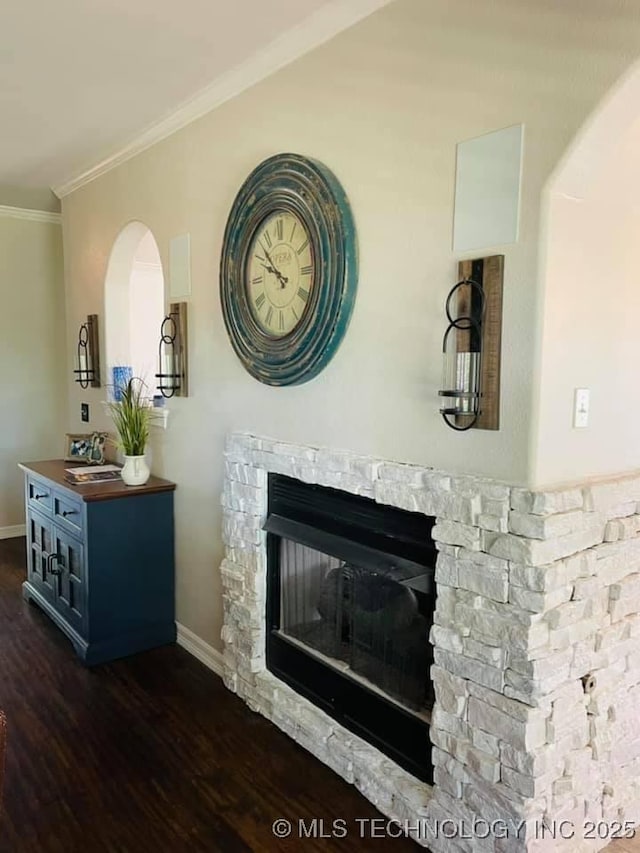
(536, 647)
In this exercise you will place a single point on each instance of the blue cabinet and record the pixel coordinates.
(101, 561)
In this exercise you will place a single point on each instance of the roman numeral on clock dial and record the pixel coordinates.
(260, 300)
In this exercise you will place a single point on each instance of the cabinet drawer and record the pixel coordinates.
(68, 513)
(39, 496)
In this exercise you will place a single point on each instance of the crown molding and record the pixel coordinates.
(318, 28)
(32, 215)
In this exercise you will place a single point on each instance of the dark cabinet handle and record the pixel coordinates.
(50, 560)
(39, 497)
(68, 512)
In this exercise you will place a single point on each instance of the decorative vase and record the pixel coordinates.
(135, 471)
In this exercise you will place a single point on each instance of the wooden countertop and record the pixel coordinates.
(53, 469)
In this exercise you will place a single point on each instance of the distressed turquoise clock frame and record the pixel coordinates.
(309, 190)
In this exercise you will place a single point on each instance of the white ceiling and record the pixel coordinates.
(80, 80)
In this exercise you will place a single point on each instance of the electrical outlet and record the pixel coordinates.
(581, 408)
(84, 413)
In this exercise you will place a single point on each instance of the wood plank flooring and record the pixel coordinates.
(148, 753)
(152, 753)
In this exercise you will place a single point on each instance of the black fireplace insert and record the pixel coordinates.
(350, 601)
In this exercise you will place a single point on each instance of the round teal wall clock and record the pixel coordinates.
(289, 269)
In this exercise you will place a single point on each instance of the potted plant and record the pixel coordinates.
(131, 417)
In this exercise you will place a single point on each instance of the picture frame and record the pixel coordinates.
(77, 446)
(86, 447)
(98, 444)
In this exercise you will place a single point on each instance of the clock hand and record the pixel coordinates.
(268, 256)
(269, 268)
(281, 278)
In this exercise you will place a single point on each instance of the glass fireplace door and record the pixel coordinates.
(371, 624)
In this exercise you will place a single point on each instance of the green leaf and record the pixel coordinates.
(131, 417)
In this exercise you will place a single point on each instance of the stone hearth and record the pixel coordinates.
(536, 648)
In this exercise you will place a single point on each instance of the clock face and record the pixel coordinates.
(280, 273)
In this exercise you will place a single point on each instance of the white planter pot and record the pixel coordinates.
(135, 471)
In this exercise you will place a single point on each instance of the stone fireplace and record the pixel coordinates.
(535, 729)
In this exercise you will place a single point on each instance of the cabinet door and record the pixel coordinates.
(40, 540)
(68, 571)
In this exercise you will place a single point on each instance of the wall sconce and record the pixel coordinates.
(172, 353)
(87, 371)
(461, 355)
(471, 346)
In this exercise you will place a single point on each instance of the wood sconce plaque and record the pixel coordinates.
(489, 274)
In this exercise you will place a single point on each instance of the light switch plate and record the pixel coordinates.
(581, 408)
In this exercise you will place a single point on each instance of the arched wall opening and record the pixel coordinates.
(134, 304)
(590, 336)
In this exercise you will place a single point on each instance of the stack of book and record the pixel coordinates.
(92, 474)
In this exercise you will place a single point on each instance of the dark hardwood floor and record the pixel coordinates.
(147, 753)
(152, 753)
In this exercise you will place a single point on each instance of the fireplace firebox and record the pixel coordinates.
(350, 602)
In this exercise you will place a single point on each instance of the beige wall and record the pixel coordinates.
(591, 322)
(32, 354)
(383, 105)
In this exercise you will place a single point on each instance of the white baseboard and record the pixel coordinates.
(13, 532)
(205, 653)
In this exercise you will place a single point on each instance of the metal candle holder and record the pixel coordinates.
(88, 354)
(462, 355)
(172, 352)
